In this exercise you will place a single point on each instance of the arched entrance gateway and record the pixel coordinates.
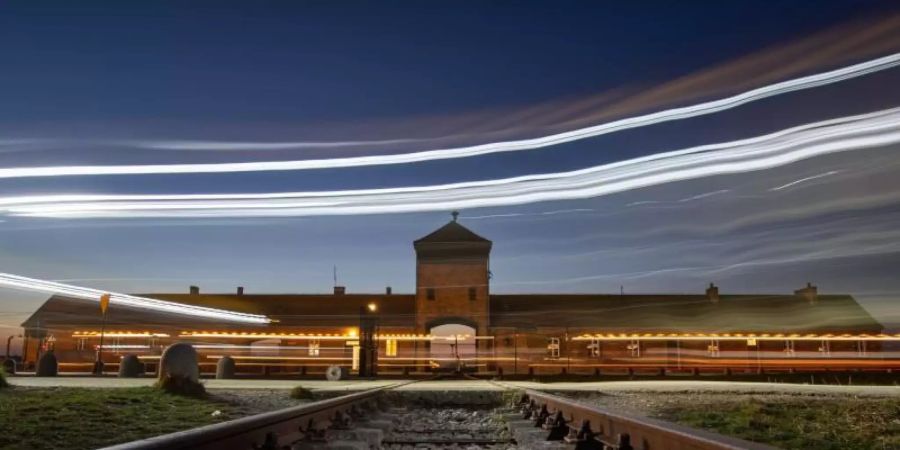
(452, 294)
(453, 344)
(453, 347)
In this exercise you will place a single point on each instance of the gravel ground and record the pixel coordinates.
(426, 426)
(256, 401)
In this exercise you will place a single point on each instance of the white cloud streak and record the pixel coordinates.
(710, 107)
(777, 149)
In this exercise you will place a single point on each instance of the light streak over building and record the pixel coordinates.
(784, 147)
(807, 82)
(32, 284)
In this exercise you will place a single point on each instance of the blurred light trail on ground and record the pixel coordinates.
(710, 107)
(777, 149)
(32, 284)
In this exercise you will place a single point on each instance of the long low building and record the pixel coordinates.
(453, 320)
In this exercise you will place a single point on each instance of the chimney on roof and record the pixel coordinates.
(240, 290)
(387, 290)
(340, 290)
(810, 293)
(195, 290)
(712, 293)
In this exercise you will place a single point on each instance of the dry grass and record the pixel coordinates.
(801, 422)
(301, 393)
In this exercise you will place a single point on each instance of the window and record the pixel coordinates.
(429, 292)
(553, 348)
(390, 347)
(472, 294)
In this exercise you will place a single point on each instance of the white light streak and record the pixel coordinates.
(543, 213)
(758, 153)
(685, 112)
(803, 180)
(701, 196)
(31, 284)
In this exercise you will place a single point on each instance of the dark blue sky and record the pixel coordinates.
(214, 62)
(77, 79)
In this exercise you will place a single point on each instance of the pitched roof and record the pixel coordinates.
(452, 241)
(684, 313)
(307, 309)
(61, 312)
(452, 232)
(593, 313)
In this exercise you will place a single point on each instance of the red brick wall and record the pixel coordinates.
(451, 280)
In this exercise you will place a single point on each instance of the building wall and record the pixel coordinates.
(451, 280)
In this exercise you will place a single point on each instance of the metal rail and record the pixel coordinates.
(590, 427)
(266, 431)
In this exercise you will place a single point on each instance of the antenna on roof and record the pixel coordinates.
(455, 215)
(621, 290)
(335, 275)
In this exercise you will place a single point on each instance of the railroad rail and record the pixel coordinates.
(593, 428)
(268, 431)
(538, 415)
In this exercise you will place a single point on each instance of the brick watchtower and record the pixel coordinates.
(452, 282)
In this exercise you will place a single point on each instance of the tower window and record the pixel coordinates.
(472, 294)
(429, 293)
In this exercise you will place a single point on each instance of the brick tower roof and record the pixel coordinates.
(452, 241)
(452, 232)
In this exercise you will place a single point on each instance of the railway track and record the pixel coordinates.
(367, 420)
(587, 427)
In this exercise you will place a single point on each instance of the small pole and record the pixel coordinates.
(8, 342)
(104, 305)
(516, 352)
(456, 352)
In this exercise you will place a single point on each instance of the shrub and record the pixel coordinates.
(181, 385)
(3, 382)
(301, 393)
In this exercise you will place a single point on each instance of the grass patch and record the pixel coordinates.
(80, 418)
(301, 393)
(799, 423)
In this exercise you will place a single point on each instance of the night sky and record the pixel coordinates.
(120, 83)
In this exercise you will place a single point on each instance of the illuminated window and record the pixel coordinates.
(313, 348)
(390, 347)
(553, 348)
(635, 348)
(472, 294)
(429, 292)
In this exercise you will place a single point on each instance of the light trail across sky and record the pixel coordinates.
(32, 284)
(777, 149)
(710, 107)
